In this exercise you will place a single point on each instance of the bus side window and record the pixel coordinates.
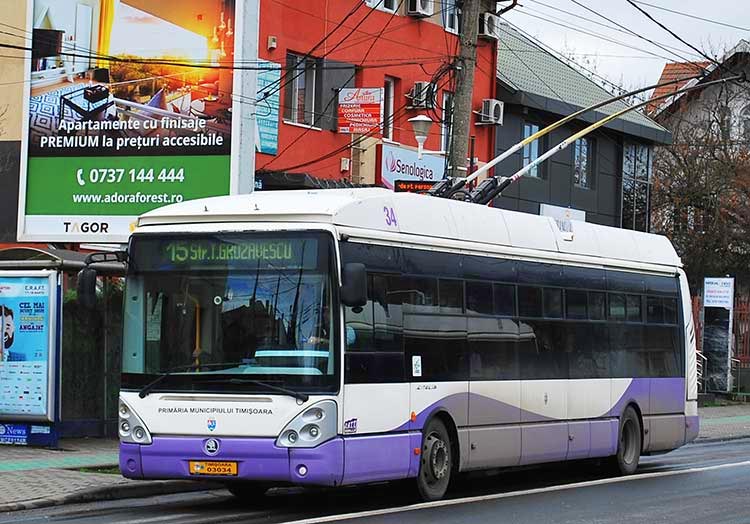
(387, 313)
(359, 330)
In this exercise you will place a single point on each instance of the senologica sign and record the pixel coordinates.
(123, 133)
(399, 163)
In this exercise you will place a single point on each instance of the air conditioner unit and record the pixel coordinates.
(492, 112)
(488, 26)
(423, 95)
(420, 8)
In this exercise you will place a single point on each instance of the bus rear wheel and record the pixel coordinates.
(628, 444)
(436, 461)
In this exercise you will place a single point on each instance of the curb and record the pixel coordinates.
(708, 440)
(114, 492)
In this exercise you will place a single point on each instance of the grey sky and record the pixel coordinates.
(623, 65)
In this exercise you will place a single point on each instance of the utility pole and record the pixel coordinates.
(466, 66)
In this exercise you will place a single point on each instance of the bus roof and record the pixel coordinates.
(377, 213)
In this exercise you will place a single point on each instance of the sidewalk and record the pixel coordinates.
(34, 477)
(724, 422)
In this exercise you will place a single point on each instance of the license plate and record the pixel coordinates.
(213, 468)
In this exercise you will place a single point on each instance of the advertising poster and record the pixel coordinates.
(360, 109)
(399, 163)
(130, 109)
(718, 307)
(267, 110)
(25, 350)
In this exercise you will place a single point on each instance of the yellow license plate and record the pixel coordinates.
(213, 468)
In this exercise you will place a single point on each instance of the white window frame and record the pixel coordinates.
(389, 92)
(383, 6)
(530, 152)
(445, 124)
(310, 78)
(451, 16)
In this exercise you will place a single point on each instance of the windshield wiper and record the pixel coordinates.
(295, 394)
(145, 390)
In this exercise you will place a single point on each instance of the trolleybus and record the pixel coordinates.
(348, 336)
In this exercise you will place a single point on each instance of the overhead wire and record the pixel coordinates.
(695, 17)
(331, 100)
(617, 27)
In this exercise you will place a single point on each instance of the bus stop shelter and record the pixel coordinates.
(60, 365)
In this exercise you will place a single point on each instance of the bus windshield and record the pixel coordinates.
(240, 312)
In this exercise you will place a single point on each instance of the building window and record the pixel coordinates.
(636, 187)
(582, 155)
(451, 16)
(300, 107)
(531, 151)
(389, 89)
(383, 5)
(447, 121)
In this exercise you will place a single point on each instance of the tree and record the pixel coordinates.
(701, 186)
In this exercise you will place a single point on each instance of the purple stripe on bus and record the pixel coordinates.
(484, 407)
(257, 458)
(637, 392)
(377, 457)
(667, 395)
(486, 411)
(130, 461)
(324, 464)
(544, 442)
(604, 435)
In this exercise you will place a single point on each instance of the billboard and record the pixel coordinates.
(130, 108)
(400, 163)
(360, 109)
(27, 353)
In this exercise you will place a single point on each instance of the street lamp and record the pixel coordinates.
(421, 125)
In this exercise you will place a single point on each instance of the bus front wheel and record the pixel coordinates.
(436, 461)
(628, 443)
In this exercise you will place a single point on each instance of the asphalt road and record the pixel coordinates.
(699, 483)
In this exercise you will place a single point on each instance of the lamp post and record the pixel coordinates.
(421, 125)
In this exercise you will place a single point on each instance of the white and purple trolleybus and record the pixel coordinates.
(347, 336)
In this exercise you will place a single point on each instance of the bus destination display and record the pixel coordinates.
(223, 251)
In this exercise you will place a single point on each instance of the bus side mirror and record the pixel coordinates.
(354, 287)
(87, 288)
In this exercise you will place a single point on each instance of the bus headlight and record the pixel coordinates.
(312, 427)
(131, 428)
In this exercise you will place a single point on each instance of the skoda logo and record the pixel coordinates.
(211, 446)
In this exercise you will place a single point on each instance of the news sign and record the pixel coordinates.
(360, 110)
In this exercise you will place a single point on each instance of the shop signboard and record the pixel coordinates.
(360, 110)
(718, 309)
(267, 108)
(400, 163)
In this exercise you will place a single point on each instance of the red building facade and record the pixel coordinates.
(325, 45)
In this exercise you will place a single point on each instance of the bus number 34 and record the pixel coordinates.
(390, 217)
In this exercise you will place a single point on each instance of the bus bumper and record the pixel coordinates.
(258, 459)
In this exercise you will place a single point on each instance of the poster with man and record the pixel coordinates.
(24, 352)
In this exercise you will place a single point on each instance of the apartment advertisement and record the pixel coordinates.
(130, 109)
